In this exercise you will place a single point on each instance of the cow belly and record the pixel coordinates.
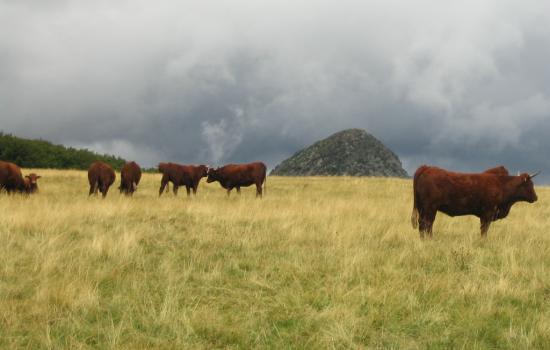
(454, 211)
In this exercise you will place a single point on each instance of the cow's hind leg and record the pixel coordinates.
(104, 190)
(427, 218)
(93, 188)
(188, 189)
(175, 190)
(239, 190)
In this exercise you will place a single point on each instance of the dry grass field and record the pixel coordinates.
(318, 263)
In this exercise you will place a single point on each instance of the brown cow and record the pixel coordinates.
(129, 178)
(100, 176)
(12, 180)
(488, 195)
(181, 175)
(239, 175)
(31, 183)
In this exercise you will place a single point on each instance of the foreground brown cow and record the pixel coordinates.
(12, 180)
(130, 175)
(239, 175)
(488, 195)
(181, 175)
(100, 176)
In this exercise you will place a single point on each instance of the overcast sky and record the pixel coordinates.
(463, 85)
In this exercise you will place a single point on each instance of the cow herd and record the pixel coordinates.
(101, 176)
(488, 195)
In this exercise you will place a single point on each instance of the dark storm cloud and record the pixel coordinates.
(462, 86)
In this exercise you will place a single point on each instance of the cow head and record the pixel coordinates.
(212, 175)
(525, 190)
(31, 183)
(203, 170)
(162, 167)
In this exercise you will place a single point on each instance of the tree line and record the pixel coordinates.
(44, 154)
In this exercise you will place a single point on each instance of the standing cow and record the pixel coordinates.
(100, 176)
(129, 178)
(488, 195)
(181, 175)
(12, 180)
(239, 175)
(31, 183)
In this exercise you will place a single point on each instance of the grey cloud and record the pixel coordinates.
(457, 85)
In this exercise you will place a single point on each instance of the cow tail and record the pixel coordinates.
(415, 216)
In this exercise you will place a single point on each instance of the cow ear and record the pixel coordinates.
(38, 177)
(28, 177)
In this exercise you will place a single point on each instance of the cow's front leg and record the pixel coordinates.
(259, 190)
(163, 184)
(485, 221)
(484, 225)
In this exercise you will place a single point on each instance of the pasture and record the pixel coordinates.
(318, 263)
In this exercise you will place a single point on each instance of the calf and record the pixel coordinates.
(31, 183)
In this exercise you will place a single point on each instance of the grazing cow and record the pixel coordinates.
(239, 175)
(488, 195)
(129, 178)
(11, 178)
(31, 183)
(100, 176)
(181, 175)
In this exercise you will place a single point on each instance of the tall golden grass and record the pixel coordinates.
(318, 263)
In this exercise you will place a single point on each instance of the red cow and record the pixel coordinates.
(181, 175)
(12, 180)
(100, 176)
(239, 175)
(488, 195)
(31, 183)
(130, 175)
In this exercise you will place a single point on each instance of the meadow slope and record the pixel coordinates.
(318, 263)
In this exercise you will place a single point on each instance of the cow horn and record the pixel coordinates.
(533, 175)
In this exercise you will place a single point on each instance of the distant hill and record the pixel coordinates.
(43, 154)
(352, 152)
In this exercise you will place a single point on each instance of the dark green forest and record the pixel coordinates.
(43, 154)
